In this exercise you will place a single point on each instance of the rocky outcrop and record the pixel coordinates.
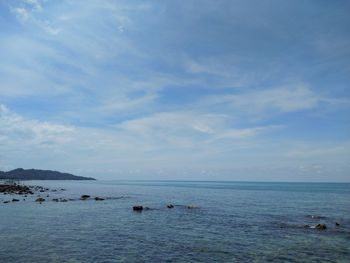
(15, 189)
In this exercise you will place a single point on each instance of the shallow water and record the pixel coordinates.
(232, 222)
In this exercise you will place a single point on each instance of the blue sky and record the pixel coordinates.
(188, 90)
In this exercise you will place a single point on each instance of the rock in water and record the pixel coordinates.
(84, 197)
(99, 198)
(40, 199)
(170, 206)
(138, 208)
(321, 226)
(15, 200)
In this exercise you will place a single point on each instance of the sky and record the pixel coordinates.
(177, 90)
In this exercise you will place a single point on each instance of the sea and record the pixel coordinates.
(210, 222)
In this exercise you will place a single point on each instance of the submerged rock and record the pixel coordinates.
(59, 199)
(40, 199)
(318, 226)
(170, 206)
(138, 208)
(337, 224)
(99, 198)
(5, 202)
(15, 200)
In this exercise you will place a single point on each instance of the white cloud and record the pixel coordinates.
(282, 99)
(35, 4)
(175, 122)
(174, 126)
(165, 145)
(21, 13)
(16, 129)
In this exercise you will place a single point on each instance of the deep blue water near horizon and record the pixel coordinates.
(232, 222)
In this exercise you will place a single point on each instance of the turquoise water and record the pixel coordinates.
(232, 222)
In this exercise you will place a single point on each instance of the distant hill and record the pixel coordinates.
(34, 174)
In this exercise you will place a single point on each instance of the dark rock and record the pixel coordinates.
(5, 202)
(99, 198)
(138, 208)
(84, 197)
(40, 199)
(170, 206)
(191, 207)
(321, 226)
(14, 189)
(15, 200)
(337, 224)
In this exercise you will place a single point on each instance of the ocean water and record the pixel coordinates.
(231, 222)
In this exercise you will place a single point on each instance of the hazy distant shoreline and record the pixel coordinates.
(36, 174)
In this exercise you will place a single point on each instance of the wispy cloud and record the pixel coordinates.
(194, 125)
(288, 98)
